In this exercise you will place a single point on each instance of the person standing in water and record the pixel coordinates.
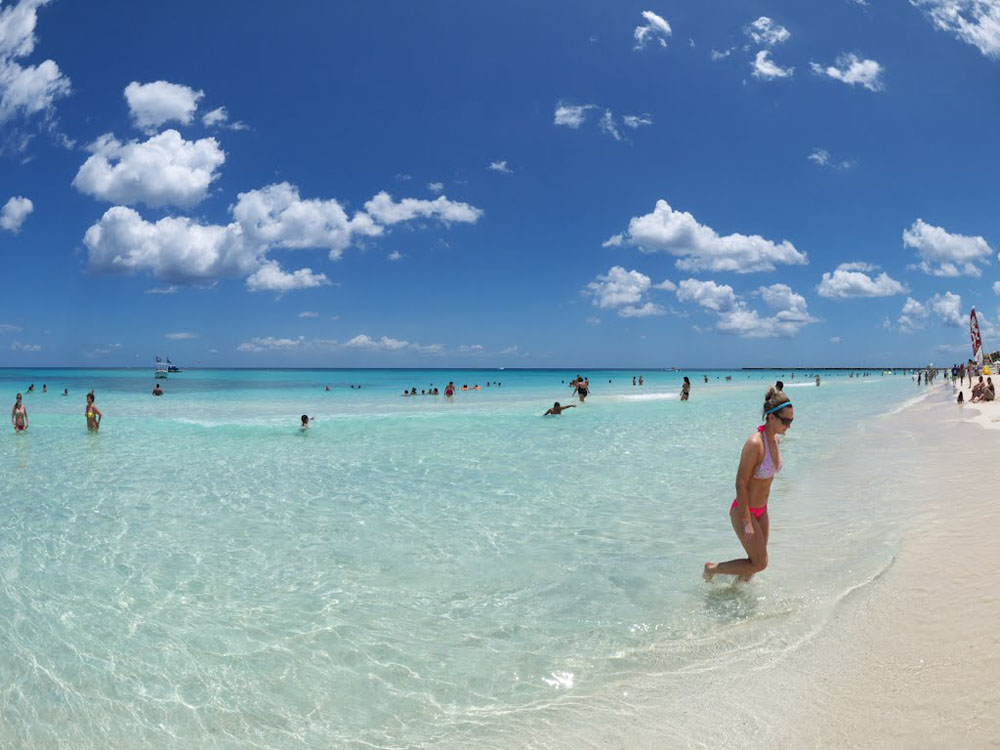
(94, 415)
(686, 389)
(19, 415)
(817, 381)
(759, 462)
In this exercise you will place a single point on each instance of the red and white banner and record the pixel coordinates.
(977, 340)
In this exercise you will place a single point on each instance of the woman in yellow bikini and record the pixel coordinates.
(19, 415)
(94, 415)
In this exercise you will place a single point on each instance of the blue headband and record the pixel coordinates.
(778, 408)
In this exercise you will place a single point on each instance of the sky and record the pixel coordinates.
(516, 184)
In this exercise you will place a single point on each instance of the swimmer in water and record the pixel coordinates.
(306, 419)
(759, 462)
(94, 415)
(19, 415)
(556, 409)
(157, 391)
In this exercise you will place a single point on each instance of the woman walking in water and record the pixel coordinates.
(686, 389)
(759, 462)
(19, 415)
(94, 415)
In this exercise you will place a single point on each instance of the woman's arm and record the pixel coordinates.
(749, 459)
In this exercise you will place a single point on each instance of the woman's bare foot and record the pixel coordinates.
(709, 573)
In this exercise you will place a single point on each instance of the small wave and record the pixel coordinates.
(910, 402)
(799, 385)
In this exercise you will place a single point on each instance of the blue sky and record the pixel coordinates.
(498, 184)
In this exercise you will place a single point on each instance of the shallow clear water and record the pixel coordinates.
(412, 572)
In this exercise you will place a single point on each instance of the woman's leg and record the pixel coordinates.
(756, 549)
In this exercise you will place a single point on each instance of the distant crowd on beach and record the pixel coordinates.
(982, 390)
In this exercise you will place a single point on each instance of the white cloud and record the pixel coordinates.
(271, 278)
(948, 307)
(500, 166)
(164, 170)
(708, 294)
(852, 70)
(308, 314)
(219, 118)
(767, 32)
(181, 336)
(717, 55)
(996, 287)
(32, 89)
(9, 328)
(607, 125)
(618, 288)
(172, 289)
(435, 187)
(849, 280)
(835, 339)
(153, 104)
(912, 316)
(822, 157)
(655, 27)
(766, 69)
(385, 211)
(572, 115)
(178, 250)
(363, 341)
(666, 285)
(14, 212)
(945, 254)
(699, 247)
(17, 346)
(637, 121)
(975, 22)
(395, 255)
(470, 348)
(734, 317)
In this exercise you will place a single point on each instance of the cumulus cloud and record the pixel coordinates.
(395, 255)
(219, 118)
(717, 55)
(948, 307)
(996, 287)
(767, 32)
(700, 247)
(789, 312)
(179, 250)
(435, 187)
(975, 22)
(708, 294)
(14, 212)
(500, 166)
(17, 346)
(164, 170)
(159, 102)
(25, 90)
(912, 317)
(766, 69)
(272, 344)
(618, 288)
(270, 277)
(656, 28)
(852, 70)
(181, 336)
(944, 254)
(850, 280)
(572, 115)
(383, 209)
(641, 311)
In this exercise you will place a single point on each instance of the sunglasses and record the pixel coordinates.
(787, 421)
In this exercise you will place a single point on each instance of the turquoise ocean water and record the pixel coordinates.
(412, 572)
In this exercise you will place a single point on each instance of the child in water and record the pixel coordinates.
(306, 419)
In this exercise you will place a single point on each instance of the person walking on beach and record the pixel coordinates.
(686, 389)
(19, 415)
(94, 415)
(759, 462)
